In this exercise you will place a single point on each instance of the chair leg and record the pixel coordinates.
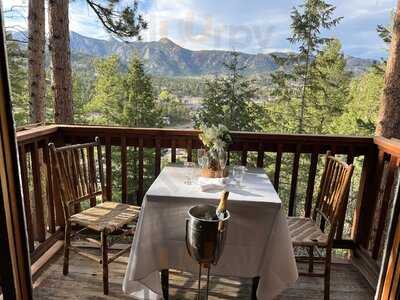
(67, 243)
(311, 259)
(327, 277)
(254, 287)
(104, 253)
(165, 283)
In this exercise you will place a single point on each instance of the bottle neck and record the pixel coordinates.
(223, 202)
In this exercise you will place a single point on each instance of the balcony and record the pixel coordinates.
(292, 162)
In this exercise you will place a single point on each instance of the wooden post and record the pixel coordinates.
(124, 173)
(15, 269)
(367, 197)
(388, 285)
(293, 185)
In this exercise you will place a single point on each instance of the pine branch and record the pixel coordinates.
(125, 23)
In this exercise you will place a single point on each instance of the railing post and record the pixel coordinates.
(40, 229)
(367, 197)
(124, 171)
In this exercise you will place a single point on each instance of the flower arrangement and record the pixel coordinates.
(215, 138)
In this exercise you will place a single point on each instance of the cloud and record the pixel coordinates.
(215, 25)
(255, 26)
(84, 21)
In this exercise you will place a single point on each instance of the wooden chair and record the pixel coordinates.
(76, 172)
(319, 230)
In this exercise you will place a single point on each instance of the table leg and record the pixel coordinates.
(165, 283)
(254, 288)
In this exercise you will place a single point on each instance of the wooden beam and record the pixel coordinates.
(293, 184)
(14, 249)
(46, 245)
(39, 225)
(46, 257)
(124, 172)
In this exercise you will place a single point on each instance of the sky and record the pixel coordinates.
(253, 26)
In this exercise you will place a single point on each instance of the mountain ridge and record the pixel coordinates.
(166, 58)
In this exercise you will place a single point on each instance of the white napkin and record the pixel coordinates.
(207, 184)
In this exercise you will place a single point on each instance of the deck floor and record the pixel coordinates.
(85, 282)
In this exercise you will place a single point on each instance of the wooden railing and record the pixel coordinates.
(37, 187)
(293, 163)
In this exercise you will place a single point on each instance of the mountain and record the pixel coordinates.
(166, 58)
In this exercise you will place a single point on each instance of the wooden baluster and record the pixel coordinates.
(85, 167)
(124, 171)
(260, 156)
(59, 213)
(311, 183)
(389, 285)
(371, 177)
(189, 150)
(243, 159)
(71, 165)
(108, 170)
(92, 175)
(49, 189)
(25, 189)
(340, 228)
(293, 185)
(141, 171)
(278, 162)
(78, 172)
(157, 166)
(101, 169)
(40, 232)
(390, 279)
(66, 170)
(173, 151)
(384, 207)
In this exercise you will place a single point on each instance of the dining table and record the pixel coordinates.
(257, 245)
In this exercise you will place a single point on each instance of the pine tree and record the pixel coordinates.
(36, 60)
(106, 104)
(329, 89)
(388, 124)
(125, 99)
(82, 90)
(18, 80)
(139, 107)
(361, 112)
(229, 100)
(61, 61)
(173, 111)
(307, 22)
(327, 95)
(124, 22)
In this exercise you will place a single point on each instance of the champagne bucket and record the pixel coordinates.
(205, 234)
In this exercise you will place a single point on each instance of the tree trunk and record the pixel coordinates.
(389, 112)
(61, 62)
(36, 56)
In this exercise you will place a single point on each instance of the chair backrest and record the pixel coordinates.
(333, 191)
(76, 168)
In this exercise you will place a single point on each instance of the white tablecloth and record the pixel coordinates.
(257, 243)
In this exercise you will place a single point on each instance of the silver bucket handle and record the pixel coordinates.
(186, 238)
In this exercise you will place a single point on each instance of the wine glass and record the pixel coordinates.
(190, 170)
(238, 174)
(222, 160)
(201, 158)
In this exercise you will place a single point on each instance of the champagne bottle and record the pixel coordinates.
(221, 209)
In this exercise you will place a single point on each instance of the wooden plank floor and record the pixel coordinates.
(85, 282)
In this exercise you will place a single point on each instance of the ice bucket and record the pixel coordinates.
(205, 234)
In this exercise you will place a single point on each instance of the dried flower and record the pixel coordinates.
(215, 138)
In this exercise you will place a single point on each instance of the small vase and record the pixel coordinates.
(213, 170)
